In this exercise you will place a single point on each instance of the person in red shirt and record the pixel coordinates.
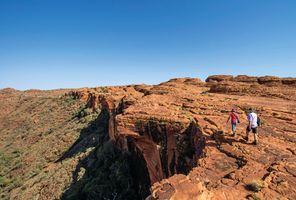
(234, 120)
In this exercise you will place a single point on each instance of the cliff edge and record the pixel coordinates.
(166, 141)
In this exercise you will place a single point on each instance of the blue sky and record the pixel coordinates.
(67, 44)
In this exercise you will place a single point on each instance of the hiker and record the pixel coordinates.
(252, 126)
(234, 120)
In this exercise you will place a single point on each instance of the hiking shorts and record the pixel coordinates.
(254, 130)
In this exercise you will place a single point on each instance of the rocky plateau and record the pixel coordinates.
(153, 142)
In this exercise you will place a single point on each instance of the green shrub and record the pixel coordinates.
(255, 197)
(255, 186)
(104, 90)
(3, 181)
(5, 159)
(69, 100)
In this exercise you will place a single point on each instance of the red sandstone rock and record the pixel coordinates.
(248, 79)
(289, 81)
(270, 80)
(265, 86)
(219, 78)
(179, 128)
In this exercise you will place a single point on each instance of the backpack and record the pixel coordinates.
(258, 121)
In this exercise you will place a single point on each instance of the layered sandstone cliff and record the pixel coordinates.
(267, 86)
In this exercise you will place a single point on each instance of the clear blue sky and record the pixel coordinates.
(49, 44)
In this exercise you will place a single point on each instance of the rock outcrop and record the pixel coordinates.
(172, 142)
(267, 86)
(178, 127)
(264, 80)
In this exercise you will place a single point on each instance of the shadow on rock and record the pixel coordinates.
(90, 136)
(107, 172)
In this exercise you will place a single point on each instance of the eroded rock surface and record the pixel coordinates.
(267, 86)
(178, 143)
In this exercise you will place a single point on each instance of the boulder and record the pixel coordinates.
(270, 80)
(289, 81)
(219, 78)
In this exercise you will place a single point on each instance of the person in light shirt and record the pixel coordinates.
(252, 126)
